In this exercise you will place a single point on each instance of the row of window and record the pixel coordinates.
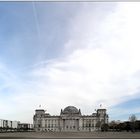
(47, 120)
(51, 120)
(54, 126)
(50, 125)
(88, 125)
(72, 128)
(89, 120)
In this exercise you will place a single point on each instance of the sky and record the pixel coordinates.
(57, 54)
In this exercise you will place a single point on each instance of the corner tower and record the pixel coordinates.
(102, 116)
(39, 113)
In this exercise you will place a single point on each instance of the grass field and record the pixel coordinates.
(80, 135)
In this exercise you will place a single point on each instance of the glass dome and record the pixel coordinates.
(70, 109)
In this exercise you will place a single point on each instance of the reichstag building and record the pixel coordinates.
(70, 119)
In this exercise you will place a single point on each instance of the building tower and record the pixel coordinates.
(39, 113)
(102, 116)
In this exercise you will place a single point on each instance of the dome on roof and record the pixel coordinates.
(70, 109)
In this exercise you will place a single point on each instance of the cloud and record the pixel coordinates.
(100, 64)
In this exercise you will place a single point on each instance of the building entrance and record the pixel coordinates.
(71, 124)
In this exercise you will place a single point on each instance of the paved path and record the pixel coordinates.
(55, 135)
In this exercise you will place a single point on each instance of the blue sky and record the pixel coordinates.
(66, 53)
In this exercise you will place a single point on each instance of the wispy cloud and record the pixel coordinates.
(102, 63)
(98, 63)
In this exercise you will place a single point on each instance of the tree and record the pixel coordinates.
(127, 126)
(121, 126)
(104, 127)
(137, 125)
(112, 125)
(0, 129)
(132, 119)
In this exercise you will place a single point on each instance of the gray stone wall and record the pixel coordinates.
(69, 121)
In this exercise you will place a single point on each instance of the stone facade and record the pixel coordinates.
(70, 119)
